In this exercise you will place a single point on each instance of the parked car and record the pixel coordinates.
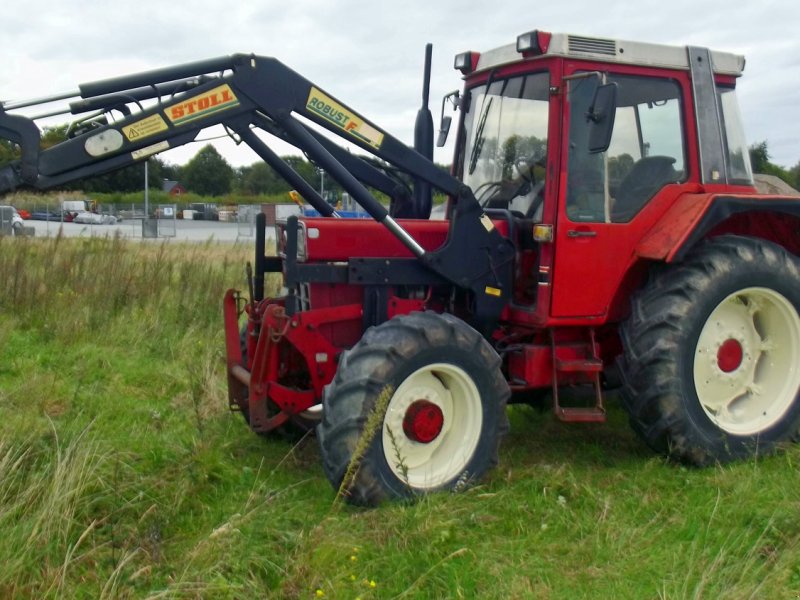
(45, 215)
(90, 218)
(205, 211)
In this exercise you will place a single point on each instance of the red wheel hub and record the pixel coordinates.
(730, 355)
(423, 421)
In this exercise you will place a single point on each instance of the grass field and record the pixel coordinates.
(123, 474)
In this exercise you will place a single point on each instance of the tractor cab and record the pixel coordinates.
(587, 142)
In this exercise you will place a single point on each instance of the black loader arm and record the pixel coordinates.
(245, 93)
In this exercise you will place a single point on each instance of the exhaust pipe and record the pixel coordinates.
(423, 141)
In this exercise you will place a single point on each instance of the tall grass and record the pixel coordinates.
(46, 497)
(79, 285)
(123, 475)
(77, 320)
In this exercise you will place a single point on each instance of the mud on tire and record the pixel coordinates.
(440, 398)
(711, 364)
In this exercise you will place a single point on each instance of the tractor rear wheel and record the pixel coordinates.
(417, 405)
(712, 353)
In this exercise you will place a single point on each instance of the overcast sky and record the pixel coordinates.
(370, 54)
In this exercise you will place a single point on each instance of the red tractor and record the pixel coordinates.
(602, 229)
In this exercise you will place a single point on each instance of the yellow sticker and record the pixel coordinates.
(203, 105)
(487, 222)
(146, 127)
(150, 150)
(325, 107)
(493, 291)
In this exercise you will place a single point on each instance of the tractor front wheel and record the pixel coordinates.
(712, 353)
(417, 405)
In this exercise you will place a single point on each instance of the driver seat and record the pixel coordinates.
(646, 177)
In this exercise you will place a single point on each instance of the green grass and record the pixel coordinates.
(123, 474)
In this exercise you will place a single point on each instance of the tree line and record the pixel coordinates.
(209, 174)
(760, 159)
(206, 174)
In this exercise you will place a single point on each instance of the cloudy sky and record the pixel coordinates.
(369, 54)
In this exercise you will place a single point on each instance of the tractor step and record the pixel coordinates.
(578, 361)
(572, 414)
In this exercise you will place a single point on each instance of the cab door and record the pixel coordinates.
(605, 197)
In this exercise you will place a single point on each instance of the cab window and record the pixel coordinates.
(646, 151)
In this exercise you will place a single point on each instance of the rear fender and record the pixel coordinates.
(694, 217)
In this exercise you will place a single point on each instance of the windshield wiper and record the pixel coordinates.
(479, 138)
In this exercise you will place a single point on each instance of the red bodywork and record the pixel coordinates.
(570, 293)
(290, 360)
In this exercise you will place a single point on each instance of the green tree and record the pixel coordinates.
(53, 135)
(794, 175)
(8, 152)
(208, 174)
(129, 179)
(518, 151)
(170, 171)
(305, 169)
(259, 178)
(760, 159)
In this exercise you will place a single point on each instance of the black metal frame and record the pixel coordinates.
(268, 95)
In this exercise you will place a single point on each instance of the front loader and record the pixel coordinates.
(602, 230)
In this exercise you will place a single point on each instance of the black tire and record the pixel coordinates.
(440, 350)
(295, 428)
(686, 395)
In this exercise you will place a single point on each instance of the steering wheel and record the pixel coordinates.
(525, 169)
(486, 190)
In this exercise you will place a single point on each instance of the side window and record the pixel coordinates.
(646, 151)
(737, 154)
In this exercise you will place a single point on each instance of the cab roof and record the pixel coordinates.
(611, 51)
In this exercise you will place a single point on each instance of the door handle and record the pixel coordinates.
(575, 234)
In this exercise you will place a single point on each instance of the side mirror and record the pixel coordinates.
(601, 117)
(445, 122)
(444, 129)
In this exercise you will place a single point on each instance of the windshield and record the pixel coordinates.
(503, 160)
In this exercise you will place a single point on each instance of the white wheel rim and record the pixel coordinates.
(746, 362)
(429, 465)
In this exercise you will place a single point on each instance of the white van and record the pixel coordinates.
(74, 206)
